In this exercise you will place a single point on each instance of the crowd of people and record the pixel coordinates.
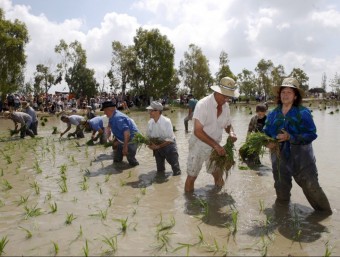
(290, 123)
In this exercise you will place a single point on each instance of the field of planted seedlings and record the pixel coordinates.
(64, 197)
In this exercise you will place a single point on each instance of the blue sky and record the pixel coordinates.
(293, 33)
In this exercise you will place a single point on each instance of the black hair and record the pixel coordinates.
(297, 101)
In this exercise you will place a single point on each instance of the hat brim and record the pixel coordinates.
(149, 108)
(276, 90)
(223, 91)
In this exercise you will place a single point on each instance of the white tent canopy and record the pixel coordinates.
(61, 87)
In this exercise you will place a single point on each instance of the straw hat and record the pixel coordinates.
(289, 82)
(7, 114)
(227, 87)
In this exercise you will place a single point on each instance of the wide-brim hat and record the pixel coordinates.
(157, 106)
(289, 82)
(226, 87)
(107, 104)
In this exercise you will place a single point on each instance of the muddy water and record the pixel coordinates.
(145, 214)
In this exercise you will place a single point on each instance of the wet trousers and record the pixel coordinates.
(170, 154)
(300, 165)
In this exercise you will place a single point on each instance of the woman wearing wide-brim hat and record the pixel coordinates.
(293, 126)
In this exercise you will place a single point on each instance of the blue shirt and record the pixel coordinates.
(298, 122)
(96, 123)
(119, 123)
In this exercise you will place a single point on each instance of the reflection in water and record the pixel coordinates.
(208, 204)
(295, 222)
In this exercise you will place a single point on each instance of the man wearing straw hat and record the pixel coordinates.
(293, 126)
(210, 119)
(31, 112)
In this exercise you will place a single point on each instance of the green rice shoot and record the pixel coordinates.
(225, 162)
(255, 145)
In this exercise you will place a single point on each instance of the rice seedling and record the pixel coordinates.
(48, 196)
(36, 187)
(143, 190)
(136, 201)
(216, 249)
(69, 218)
(129, 174)
(122, 182)
(110, 202)
(80, 233)
(42, 123)
(55, 130)
(2, 203)
(261, 203)
(102, 214)
(141, 140)
(84, 185)
(112, 243)
(90, 142)
(107, 177)
(63, 169)
(86, 249)
(1, 172)
(134, 212)
(63, 186)
(53, 207)
(55, 248)
(328, 250)
(3, 243)
(123, 223)
(32, 212)
(234, 218)
(75, 199)
(8, 158)
(22, 200)
(7, 185)
(255, 145)
(204, 205)
(13, 132)
(37, 168)
(163, 233)
(28, 232)
(226, 161)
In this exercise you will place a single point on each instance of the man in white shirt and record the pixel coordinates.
(160, 127)
(76, 120)
(211, 117)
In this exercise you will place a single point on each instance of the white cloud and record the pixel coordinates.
(302, 34)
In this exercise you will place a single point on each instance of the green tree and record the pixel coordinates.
(224, 69)
(247, 83)
(123, 67)
(335, 84)
(43, 79)
(79, 78)
(194, 71)
(264, 71)
(278, 73)
(324, 81)
(302, 77)
(154, 67)
(13, 38)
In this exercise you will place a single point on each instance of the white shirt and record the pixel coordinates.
(206, 113)
(161, 129)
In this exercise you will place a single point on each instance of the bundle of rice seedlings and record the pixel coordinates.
(55, 130)
(225, 161)
(90, 142)
(255, 145)
(107, 144)
(140, 140)
(13, 131)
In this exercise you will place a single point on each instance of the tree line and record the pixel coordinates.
(146, 67)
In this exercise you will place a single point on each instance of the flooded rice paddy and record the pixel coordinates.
(62, 197)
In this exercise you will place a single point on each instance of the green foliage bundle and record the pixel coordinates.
(255, 145)
(140, 140)
(13, 131)
(225, 161)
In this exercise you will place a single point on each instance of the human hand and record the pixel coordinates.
(283, 136)
(219, 149)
